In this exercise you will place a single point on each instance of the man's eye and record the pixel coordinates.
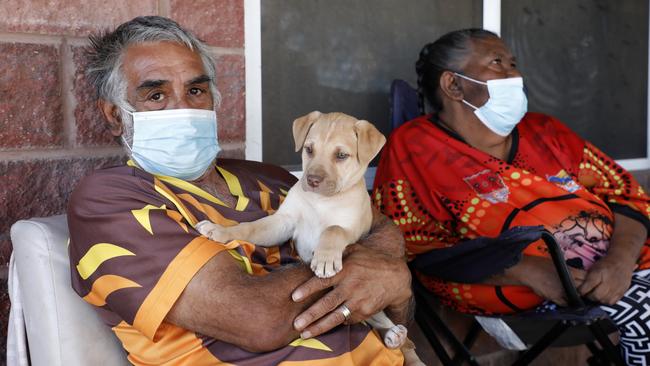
(157, 97)
(496, 61)
(196, 91)
(341, 156)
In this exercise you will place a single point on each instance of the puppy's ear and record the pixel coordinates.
(301, 128)
(369, 141)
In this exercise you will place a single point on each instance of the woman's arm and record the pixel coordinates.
(609, 278)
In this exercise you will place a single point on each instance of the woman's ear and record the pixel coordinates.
(450, 87)
(112, 116)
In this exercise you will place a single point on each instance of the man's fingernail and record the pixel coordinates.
(305, 335)
(296, 296)
(299, 323)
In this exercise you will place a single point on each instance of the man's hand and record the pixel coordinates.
(607, 280)
(370, 281)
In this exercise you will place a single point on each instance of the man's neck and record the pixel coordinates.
(213, 183)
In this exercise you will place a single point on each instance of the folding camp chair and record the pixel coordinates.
(577, 324)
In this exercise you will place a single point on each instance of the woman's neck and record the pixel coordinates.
(476, 134)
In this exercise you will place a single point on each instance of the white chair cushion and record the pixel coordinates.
(62, 329)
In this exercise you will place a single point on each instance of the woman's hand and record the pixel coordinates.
(607, 280)
(369, 282)
(540, 275)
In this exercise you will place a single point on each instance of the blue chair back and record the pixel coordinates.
(403, 103)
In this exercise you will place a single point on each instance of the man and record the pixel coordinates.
(174, 297)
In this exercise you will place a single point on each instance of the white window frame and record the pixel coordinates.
(253, 54)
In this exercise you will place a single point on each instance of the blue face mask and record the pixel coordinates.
(180, 143)
(505, 107)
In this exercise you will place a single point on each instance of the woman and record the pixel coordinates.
(480, 165)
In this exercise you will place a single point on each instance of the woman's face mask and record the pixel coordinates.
(505, 107)
(180, 143)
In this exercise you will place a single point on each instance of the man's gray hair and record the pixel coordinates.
(106, 51)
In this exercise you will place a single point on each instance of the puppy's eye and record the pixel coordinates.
(308, 150)
(341, 156)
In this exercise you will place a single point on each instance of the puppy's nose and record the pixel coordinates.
(314, 180)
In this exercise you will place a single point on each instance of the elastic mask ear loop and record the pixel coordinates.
(470, 104)
(470, 79)
(122, 135)
(127, 145)
(473, 80)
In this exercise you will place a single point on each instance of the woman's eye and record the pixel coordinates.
(157, 97)
(341, 156)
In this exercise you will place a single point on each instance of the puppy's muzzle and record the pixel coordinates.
(314, 180)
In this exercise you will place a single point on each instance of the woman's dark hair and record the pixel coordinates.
(447, 53)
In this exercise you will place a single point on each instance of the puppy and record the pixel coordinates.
(329, 207)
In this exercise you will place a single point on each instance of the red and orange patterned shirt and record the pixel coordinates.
(440, 191)
(133, 249)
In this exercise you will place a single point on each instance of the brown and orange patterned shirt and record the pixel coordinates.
(133, 249)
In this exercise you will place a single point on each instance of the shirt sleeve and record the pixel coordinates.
(131, 252)
(602, 176)
(425, 223)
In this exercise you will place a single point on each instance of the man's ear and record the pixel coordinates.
(301, 127)
(112, 116)
(450, 87)
(369, 141)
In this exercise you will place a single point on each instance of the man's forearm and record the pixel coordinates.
(384, 236)
(253, 312)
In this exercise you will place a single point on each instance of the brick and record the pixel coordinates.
(231, 84)
(30, 96)
(4, 319)
(92, 129)
(230, 152)
(218, 23)
(5, 248)
(72, 17)
(41, 187)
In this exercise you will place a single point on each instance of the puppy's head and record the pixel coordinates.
(336, 150)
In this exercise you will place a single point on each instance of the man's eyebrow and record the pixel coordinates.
(199, 80)
(149, 84)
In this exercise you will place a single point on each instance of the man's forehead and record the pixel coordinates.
(161, 61)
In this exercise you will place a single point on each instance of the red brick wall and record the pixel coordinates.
(51, 133)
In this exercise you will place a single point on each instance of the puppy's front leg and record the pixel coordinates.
(267, 232)
(328, 255)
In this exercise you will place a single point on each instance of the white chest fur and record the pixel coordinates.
(314, 213)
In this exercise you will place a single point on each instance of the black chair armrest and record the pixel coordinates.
(573, 298)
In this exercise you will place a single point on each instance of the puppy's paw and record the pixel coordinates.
(204, 227)
(395, 336)
(326, 263)
(213, 231)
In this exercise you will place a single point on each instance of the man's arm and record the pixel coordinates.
(252, 312)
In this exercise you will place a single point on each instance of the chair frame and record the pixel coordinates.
(604, 353)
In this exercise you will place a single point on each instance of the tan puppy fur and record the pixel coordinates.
(329, 207)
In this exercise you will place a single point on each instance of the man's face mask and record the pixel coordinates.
(505, 107)
(180, 143)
